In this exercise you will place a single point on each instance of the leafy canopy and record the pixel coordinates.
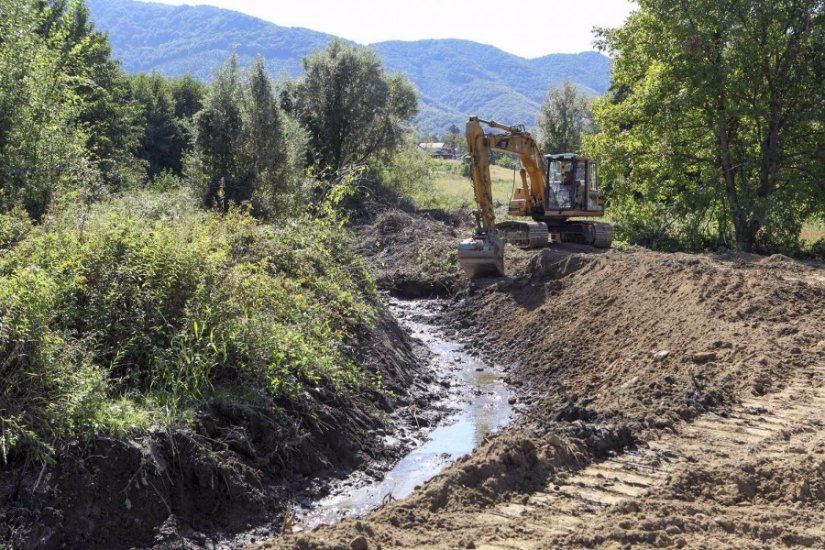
(713, 130)
(351, 109)
(246, 149)
(564, 118)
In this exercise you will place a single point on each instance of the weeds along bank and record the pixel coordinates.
(159, 361)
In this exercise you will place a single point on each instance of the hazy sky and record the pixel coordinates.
(529, 28)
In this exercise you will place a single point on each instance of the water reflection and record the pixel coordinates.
(486, 410)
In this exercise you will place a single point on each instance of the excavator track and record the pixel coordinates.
(602, 234)
(595, 234)
(524, 234)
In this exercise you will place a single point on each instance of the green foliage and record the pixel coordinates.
(408, 172)
(246, 148)
(111, 119)
(565, 117)
(42, 146)
(116, 308)
(165, 137)
(352, 111)
(14, 226)
(188, 95)
(714, 124)
(66, 118)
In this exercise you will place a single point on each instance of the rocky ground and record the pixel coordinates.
(670, 400)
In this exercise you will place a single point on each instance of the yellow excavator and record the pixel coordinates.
(554, 188)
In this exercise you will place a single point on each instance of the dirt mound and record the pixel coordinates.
(668, 402)
(655, 338)
(414, 255)
(507, 464)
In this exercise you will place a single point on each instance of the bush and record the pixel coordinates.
(408, 171)
(108, 312)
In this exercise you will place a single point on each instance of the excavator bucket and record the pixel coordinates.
(482, 256)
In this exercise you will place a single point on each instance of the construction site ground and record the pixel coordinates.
(668, 400)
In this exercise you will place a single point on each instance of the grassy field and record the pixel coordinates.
(813, 232)
(450, 189)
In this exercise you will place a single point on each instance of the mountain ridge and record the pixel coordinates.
(455, 77)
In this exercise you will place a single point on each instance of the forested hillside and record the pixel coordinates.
(177, 40)
(454, 77)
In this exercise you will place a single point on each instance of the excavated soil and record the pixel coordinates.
(669, 400)
(414, 254)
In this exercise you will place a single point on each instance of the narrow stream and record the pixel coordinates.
(485, 408)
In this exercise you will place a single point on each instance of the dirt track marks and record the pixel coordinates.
(771, 427)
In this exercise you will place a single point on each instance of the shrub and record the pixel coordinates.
(109, 311)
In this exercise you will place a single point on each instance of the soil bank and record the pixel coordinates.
(671, 400)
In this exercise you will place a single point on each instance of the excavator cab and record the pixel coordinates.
(573, 182)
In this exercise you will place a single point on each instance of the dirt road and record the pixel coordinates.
(672, 400)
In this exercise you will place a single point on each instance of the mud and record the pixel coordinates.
(477, 395)
(413, 255)
(670, 400)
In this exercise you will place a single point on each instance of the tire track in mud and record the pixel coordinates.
(771, 427)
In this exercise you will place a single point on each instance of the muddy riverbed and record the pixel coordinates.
(481, 403)
(673, 400)
(476, 402)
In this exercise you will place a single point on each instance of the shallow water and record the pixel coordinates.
(484, 400)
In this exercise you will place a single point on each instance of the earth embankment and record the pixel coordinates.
(668, 400)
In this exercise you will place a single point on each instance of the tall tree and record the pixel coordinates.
(249, 150)
(263, 148)
(564, 118)
(219, 135)
(164, 140)
(113, 120)
(715, 120)
(352, 110)
(273, 144)
(42, 144)
(188, 94)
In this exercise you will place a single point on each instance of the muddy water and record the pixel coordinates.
(483, 407)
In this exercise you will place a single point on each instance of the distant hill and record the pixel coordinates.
(455, 78)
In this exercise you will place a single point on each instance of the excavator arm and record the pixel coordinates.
(483, 255)
(478, 152)
(516, 142)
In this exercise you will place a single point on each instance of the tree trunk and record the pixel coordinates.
(743, 231)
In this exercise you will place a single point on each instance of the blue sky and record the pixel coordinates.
(530, 28)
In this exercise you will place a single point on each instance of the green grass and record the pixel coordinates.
(135, 312)
(447, 188)
(812, 232)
